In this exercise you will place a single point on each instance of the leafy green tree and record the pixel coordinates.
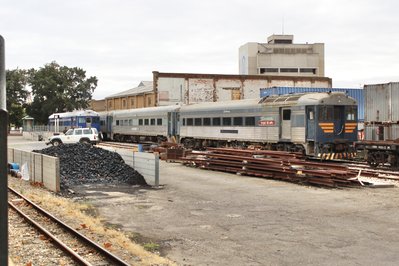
(16, 81)
(58, 88)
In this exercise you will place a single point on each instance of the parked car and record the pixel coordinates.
(75, 135)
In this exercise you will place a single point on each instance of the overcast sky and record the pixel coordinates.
(122, 42)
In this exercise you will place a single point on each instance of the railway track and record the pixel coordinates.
(76, 248)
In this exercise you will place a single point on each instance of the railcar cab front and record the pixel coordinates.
(331, 126)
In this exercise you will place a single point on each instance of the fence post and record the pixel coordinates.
(156, 169)
(3, 160)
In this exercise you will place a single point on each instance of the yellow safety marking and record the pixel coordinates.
(325, 128)
(333, 156)
(328, 131)
(326, 124)
(351, 124)
(348, 131)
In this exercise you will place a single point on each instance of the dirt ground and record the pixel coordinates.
(210, 218)
(201, 217)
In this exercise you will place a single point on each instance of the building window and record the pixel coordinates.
(159, 121)
(189, 121)
(268, 70)
(117, 122)
(288, 70)
(132, 102)
(308, 70)
(140, 122)
(146, 122)
(123, 103)
(149, 101)
(152, 121)
(207, 121)
(184, 121)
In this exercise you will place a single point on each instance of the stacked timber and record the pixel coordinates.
(288, 166)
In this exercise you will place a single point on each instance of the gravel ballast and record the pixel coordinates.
(85, 164)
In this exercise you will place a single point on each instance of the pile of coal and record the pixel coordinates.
(83, 163)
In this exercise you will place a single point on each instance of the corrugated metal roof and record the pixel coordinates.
(356, 93)
(143, 87)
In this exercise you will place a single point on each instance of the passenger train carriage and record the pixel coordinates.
(74, 119)
(143, 124)
(314, 123)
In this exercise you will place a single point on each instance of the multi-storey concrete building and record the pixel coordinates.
(280, 56)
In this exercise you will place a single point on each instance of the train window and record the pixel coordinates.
(326, 113)
(152, 121)
(226, 121)
(311, 115)
(130, 122)
(81, 120)
(189, 121)
(146, 122)
(197, 122)
(102, 123)
(250, 121)
(207, 121)
(350, 113)
(88, 119)
(286, 114)
(184, 121)
(140, 122)
(159, 121)
(117, 122)
(237, 121)
(216, 121)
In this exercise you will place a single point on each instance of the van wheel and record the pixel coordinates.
(85, 141)
(56, 142)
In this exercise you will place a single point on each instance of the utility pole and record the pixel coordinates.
(3, 160)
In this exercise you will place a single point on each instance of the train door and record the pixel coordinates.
(310, 122)
(339, 121)
(285, 123)
(88, 121)
(172, 123)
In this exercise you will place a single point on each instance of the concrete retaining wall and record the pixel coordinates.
(42, 168)
(146, 164)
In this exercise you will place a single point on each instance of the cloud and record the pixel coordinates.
(122, 42)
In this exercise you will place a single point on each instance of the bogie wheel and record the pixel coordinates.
(56, 142)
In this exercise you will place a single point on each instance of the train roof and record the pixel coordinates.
(74, 113)
(209, 106)
(316, 98)
(152, 110)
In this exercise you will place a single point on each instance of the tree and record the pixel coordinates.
(59, 89)
(17, 93)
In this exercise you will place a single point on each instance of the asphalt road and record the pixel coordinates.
(202, 217)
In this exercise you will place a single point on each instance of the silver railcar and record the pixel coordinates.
(295, 122)
(144, 124)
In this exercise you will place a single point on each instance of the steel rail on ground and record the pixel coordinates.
(100, 249)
